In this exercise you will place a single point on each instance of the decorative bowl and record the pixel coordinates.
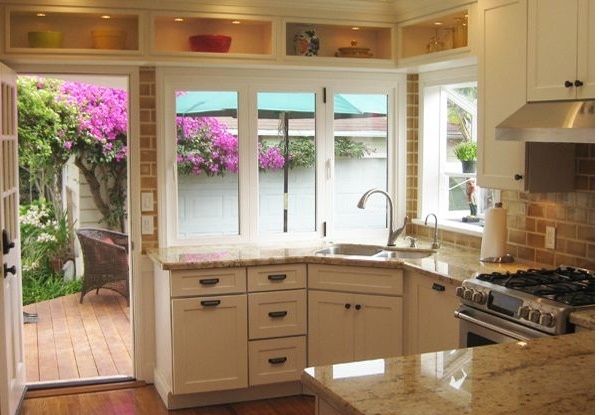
(46, 39)
(109, 38)
(210, 43)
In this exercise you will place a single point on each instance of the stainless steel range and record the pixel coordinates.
(500, 307)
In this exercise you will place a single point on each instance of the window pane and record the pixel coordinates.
(207, 163)
(286, 162)
(360, 159)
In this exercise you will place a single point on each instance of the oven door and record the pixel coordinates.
(478, 328)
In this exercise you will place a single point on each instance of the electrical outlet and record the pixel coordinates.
(550, 237)
(147, 201)
(147, 225)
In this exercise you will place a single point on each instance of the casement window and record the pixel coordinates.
(255, 158)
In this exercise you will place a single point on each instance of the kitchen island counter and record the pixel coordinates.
(550, 375)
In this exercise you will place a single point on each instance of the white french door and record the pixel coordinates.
(12, 356)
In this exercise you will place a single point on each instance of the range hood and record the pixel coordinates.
(551, 122)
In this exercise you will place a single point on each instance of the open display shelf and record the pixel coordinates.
(248, 36)
(369, 42)
(435, 35)
(75, 28)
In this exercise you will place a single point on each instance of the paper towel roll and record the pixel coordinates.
(494, 234)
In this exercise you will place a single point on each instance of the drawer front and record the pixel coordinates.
(362, 280)
(208, 282)
(277, 360)
(277, 277)
(277, 314)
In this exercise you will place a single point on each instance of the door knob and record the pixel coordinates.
(7, 269)
(7, 244)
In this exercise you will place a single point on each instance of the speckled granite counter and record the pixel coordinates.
(547, 376)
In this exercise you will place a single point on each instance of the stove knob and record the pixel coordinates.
(479, 297)
(535, 316)
(546, 319)
(468, 293)
(459, 291)
(523, 312)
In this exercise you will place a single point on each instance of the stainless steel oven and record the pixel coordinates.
(523, 305)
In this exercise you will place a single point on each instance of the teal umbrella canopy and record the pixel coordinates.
(270, 105)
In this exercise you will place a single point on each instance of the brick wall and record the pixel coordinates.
(572, 214)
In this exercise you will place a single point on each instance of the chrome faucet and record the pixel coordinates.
(393, 234)
(436, 244)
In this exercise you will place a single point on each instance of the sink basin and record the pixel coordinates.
(350, 250)
(405, 253)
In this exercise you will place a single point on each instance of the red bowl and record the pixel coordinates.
(210, 43)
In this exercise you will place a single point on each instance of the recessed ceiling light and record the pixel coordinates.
(235, 22)
(105, 16)
(438, 23)
(40, 14)
(355, 28)
(178, 19)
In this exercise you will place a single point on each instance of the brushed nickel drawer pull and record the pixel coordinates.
(277, 277)
(277, 314)
(209, 281)
(277, 360)
(210, 303)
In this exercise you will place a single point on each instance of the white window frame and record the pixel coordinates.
(432, 194)
(248, 82)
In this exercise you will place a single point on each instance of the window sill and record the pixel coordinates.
(455, 226)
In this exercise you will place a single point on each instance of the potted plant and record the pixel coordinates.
(466, 153)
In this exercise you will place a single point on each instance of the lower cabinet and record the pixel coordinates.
(210, 349)
(346, 325)
(431, 325)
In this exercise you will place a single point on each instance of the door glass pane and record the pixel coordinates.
(286, 162)
(207, 163)
(361, 136)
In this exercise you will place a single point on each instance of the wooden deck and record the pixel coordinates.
(72, 341)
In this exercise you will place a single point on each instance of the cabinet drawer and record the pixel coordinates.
(362, 280)
(277, 314)
(208, 282)
(277, 360)
(276, 277)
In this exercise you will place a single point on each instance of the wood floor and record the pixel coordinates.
(145, 400)
(72, 341)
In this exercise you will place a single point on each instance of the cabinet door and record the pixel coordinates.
(586, 48)
(502, 90)
(552, 43)
(377, 326)
(330, 327)
(431, 324)
(209, 343)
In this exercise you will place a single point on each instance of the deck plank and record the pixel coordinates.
(73, 341)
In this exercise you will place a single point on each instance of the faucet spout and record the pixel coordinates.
(393, 234)
(436, 244)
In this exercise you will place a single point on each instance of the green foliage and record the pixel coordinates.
(46, 286)
(466, 151)
(302, 152)
(345, 147)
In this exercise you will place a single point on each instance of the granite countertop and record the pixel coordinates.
(549, 375)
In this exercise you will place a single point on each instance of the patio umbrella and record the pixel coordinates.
(275, 105)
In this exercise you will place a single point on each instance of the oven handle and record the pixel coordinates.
(492, 327)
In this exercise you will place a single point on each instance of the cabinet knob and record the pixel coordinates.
(578, 83)
(568, 84)
(358, 306)
(12, 270)
(518, 177)
(347, 306)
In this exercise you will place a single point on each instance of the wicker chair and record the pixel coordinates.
(105, 261)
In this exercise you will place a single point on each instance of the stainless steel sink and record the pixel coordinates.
(405, 253)
(350, 250)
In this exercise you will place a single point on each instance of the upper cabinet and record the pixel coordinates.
(561, 44)
(205, 35)
(60, 30)
(353, 43)
(436, 38)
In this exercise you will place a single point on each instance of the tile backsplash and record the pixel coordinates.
(572, 214)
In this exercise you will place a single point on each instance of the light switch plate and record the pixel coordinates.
(147, 201)
(147, 224)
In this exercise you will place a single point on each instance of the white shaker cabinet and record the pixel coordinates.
(561, 49)
(431, 326)
(502, 90)
(354, 313)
